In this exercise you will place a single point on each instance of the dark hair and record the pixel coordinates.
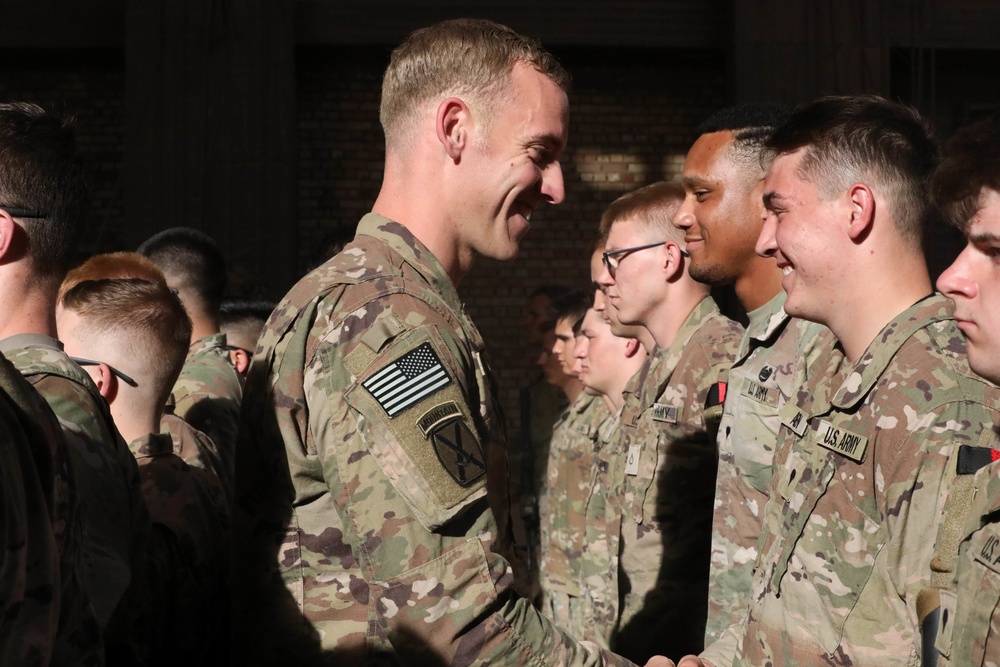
(243, 319)
(971, 163)
(551, 293)
(41, 170)
(865, 138)
(752, 126)
(194, 259)
(573, 306)
(654, 205)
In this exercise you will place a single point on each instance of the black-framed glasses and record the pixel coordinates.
(90, 362)
(612, 258)
(24, 212)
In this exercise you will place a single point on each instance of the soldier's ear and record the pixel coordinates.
(240, 360)
(862, 204)
(453, 123)
(7, 230)
(106, 381)
(632, 347)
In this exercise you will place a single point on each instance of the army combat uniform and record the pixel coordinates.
(667, 485)
(863, 464)
(115, 521)
(207, 396)
(569, 471)
(188, 556)
(362, 524)
(773, 361)
(197, 449)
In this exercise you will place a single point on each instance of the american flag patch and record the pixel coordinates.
(407, 380)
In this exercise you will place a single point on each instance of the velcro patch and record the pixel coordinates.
(664, 413)
(842, 441)
(794, 419)
(407, 380)
(987, 549)
(716, 395)
(459, 451)
(760, 393)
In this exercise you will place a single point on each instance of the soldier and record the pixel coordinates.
(721, 217)
(138, 334)
(242, 320)
(370, 434)
(865, 450)
(45, 195)
(568, 474)
(189, 443)
(966, 187)
(669, 424)
(208, 392)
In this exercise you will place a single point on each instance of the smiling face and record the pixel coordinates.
(800, 232)
(721, 214)
(513, 165)
(973, 283)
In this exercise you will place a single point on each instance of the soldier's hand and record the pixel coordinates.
(694, 661)
(660, 661)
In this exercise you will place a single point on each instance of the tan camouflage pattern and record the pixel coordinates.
(358, 537)
(596, 618)
(106, 478)
(667, 486)
(77, 639)
(570, 470)
(197, 449)
(188, 556)
(865, 456)
(774, 358)
(968, 633)
(207, 395)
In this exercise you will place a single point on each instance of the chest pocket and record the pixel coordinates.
(750, 425)
(829, 544)
(974, 635)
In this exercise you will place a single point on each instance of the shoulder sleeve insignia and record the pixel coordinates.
(458, 450)
(407, 380)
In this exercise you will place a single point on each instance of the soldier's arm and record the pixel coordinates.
(406, 461)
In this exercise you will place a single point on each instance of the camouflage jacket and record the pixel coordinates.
(115, 521)
(197, 449)
(774, 359)
(666, 488)
(44, 591)
(368, 431)
(569, 471)
(188, 555)
(864, 460)
(207, 395)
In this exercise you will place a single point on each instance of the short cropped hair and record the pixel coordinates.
(971, 164)
(468, 58)
(572, 306)
(112, 265)
(752, 125)
(242, 320)
(194, 259)
(143, 317)
(865, 138)
(41, 170)
(652, 206)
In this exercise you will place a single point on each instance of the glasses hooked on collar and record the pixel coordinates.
(24, 212)
(90, 362)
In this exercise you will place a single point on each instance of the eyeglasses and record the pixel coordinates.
(90, 362)
(24, 212)
(612, 258)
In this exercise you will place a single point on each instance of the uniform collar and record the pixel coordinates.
(216, 340)
(20, 341)
(667, 359)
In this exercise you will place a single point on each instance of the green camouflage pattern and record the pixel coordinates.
(563, 505)
(106, 479)
(864, 460)
(197, 449)
(364, 537)
(775, 355)
(207, 395)
(77, 640)
(188, 556)
(667, 487)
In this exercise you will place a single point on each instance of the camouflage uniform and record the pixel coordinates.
(106, 478)
(197, 449)
(666, 488)
(207, 396)
(570, 469)
(77, 639)
(362, 522)
(188, 555)
(863, 464)
(773, 361)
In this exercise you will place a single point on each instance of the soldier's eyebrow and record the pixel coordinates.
(982, 238)
(770, 198)
(691, 182)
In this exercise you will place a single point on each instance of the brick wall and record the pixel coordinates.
(632, 120)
